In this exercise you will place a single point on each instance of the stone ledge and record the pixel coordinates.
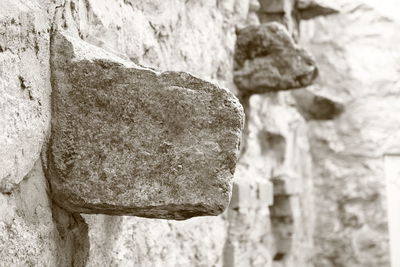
(267, 59)
(127, 140)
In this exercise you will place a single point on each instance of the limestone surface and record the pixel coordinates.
(127, 140)
(24, 89)
(267, 59)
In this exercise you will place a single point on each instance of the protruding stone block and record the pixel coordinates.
(317, 107)
(310, 9)
(127, 140)
(267, 59)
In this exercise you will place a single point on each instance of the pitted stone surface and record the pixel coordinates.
(267, 59)
(127, 140)
(24, 89)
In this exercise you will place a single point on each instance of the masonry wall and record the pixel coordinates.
(264, 226)
(358, 59)
(199, 37)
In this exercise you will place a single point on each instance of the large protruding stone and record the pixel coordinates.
(267, 59)
(127, 140)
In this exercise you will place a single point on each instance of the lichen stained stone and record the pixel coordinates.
(267, 60)
(128, 140)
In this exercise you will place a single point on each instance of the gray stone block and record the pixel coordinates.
(127, 140)
(267, 59)
(309, 9)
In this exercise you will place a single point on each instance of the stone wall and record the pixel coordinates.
(358, 90)
(32, 231)
(285, 142)
(194, 36)
(246, 235)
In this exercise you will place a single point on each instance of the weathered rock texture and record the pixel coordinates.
(177, 36)
(127, 140)
(24, 89)
(194, 36)
(29, 236)
(340, 119)
(33, 232)
(267, 59)
(358, 56)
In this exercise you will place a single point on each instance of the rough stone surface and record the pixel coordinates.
(167, 35)
(24, 88)
(358, 56)
(71, 235)
(267, 60)
(209, 31)
(129, 241)
(130, 141)
(26, 229)
(30, 236)
(170, 35)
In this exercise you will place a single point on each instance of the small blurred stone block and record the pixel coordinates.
(310, 9)
(276, 6)
(241, 196)
(265, 193)
(286, 184)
